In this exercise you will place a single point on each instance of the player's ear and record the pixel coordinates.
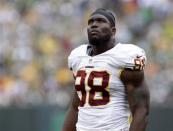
(114, 30)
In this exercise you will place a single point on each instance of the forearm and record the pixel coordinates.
(70, 120)
(138, 98)
(72, 114)
(140, 120)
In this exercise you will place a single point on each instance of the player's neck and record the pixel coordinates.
(102, 47)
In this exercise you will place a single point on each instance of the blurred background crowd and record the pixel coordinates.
(36, 37)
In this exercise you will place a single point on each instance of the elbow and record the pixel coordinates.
(146, 115)
(143, 112)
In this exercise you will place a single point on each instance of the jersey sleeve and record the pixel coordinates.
(72, 63)
(74, 57)
(136, 59)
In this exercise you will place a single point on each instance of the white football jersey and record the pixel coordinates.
(103, 101)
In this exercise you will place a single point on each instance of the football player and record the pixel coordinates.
(110, 90)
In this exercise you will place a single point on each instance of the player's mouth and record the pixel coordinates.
(94, 32)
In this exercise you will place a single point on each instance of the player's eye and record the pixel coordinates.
(90, 21)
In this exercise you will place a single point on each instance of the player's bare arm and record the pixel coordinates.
(72, 114)
(103, 103)
(138, 98)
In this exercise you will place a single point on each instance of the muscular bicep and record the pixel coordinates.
(136, 89)
(132, 77)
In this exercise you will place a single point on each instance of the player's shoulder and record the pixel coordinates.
(131, 56)
(130, 48)
(78, 51)
(75, 56)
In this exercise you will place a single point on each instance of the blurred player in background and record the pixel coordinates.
(110, 91)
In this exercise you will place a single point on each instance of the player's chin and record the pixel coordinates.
(94, 39)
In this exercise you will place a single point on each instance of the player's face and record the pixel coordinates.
(99, 29)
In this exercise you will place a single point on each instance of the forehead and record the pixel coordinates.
(98, 16)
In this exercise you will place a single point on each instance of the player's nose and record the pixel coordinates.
(94, 24)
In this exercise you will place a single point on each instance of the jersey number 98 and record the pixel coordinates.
(97, 82)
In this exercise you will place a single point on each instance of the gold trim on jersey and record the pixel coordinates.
(130, 119)
(119, 72)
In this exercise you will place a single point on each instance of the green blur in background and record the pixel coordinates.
(36, 37)
(51, 119)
